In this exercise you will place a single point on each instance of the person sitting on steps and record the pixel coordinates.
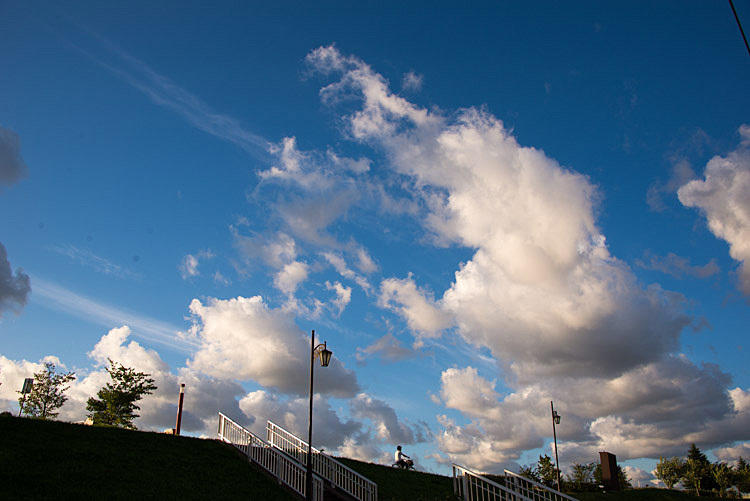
(402, 460)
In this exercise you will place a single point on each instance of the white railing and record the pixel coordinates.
(535, 491)
(471, 486)
(342, 477)
(285, 469)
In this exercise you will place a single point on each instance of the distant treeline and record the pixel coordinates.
(694, 473)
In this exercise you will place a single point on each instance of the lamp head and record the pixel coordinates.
(556, 417)
(325, 356)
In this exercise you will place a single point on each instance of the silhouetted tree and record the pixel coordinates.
(670, 471)
(695, 472)
(116, 404)
(723, 475)
(530, 473)
(47, 393)
(698, 471)
(547, 471)
(582, 477)
(742, 475)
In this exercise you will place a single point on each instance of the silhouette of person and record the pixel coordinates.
(401, 458)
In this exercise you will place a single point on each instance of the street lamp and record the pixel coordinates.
(325, 358)
(555, 420)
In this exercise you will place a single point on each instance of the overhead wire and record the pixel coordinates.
(740, 26)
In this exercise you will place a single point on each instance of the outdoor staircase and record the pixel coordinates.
(284, 456)
(470, 486)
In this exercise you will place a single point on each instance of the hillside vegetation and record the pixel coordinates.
(56, 460)
(395, 484)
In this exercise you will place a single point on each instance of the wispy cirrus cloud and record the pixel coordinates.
(91, 260)
(165, 93)
(62, 299)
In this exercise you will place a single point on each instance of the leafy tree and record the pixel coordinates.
(698, 471)
(695, 453)
(742, 475)
(670, 471)
(547, 471)
(723, 475)
(530, 473)
(116, 403)
(707, 482)
(47, 393)
(582, 477)
(695, 472)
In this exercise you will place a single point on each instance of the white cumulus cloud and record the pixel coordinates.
(244, 339)
(723, 195)
(566, 320)
(416, 306)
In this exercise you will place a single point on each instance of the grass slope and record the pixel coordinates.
(55, 460)
(646, 494)
(395, 484)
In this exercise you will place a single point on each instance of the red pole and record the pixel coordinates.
(179, 409)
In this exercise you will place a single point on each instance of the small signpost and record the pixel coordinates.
(28, 384)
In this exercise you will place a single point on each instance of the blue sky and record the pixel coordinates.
(480, 208)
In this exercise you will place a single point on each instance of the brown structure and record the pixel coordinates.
(179, 410)
(610, 478)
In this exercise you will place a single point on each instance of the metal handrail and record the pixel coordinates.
(339, 475)
(472, 486)
(284, 468)
(534, 490)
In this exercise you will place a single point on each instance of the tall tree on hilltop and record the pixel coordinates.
(47, 393)
(698, 471)
(547, 471)
(723, 475)
(116, 403)
(530, 473)
(670, 471)
(742, 474)
(582, 477)
(694, 472)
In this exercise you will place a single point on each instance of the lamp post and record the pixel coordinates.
(325, 358)
(555, 420)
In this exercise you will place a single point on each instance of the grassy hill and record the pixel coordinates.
(395, 484)
(55, 460)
